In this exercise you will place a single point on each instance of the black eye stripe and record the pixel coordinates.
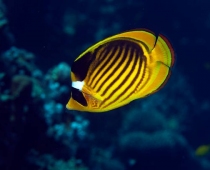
(78, 96)
(81, 66)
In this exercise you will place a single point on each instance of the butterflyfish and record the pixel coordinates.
(120, 69)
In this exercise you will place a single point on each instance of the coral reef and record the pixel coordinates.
(161, 131)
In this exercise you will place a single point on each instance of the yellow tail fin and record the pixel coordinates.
(162, 59)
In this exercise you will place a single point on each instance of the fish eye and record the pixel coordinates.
(78, 96)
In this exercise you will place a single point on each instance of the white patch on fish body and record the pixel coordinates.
(78, 85)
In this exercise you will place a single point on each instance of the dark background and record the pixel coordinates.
(57, 31)
(38, 27)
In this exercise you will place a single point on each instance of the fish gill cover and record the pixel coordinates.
(38, 42)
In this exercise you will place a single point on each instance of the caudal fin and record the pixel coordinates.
(159, 70)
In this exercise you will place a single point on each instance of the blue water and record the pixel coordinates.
(158, 132)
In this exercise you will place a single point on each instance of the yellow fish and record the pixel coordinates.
(120, 69)
(202, 150)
